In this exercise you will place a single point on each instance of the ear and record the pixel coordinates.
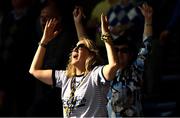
(92, 54)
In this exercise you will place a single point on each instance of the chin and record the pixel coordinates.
(74, 62)
(122, 64)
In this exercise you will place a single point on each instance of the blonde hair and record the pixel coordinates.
(92, 61)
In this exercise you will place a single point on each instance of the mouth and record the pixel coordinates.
(75, 56)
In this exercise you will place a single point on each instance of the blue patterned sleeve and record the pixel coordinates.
(143, 53)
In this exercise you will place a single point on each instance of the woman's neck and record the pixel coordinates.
(80, 71)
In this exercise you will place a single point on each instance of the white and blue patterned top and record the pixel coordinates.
(125, 93)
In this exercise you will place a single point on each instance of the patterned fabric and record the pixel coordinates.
(122, 15)
(125, 93)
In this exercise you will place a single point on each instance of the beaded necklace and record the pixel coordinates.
(72, 100)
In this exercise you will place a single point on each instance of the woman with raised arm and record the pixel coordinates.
(85, 82)
(125, 95)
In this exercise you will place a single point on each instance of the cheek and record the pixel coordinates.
(84, 56)
(123, 57)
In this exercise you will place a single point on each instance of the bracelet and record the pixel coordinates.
(42, 45)
(148, 24)
(105, 37)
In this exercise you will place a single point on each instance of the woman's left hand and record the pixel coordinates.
(50, 31)
(104, 24)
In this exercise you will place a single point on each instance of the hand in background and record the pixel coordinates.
(78, 14)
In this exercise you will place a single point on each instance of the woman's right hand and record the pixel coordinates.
(49, 31)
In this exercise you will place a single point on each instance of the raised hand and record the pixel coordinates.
(104, 24)
(49, 30)
(147, 12)
(78, 14)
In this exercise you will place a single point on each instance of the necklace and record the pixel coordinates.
(82, 74)
(72, 100)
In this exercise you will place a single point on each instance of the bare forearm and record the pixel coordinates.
(36, 66)
(78, 20)
(109, 69)
(147, 12)
(38, 59)
(112, 66)
(147, 29)
(80, 29)
(112, 58)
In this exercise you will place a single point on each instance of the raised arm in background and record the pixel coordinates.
(78, 15)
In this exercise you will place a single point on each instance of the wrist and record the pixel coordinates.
(43, 44)
(148, 24)
(106, 37)
(106, 33)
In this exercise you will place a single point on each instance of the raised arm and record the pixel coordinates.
(78, 15)
(36, 66)
(147, 36)
(147, 11)
(110, 69)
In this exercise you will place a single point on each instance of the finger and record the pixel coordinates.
(106, 19)
(145, 5)
(81, 11)
(102, 18)
(56, 33)
(53, 23)
(46, 25)
(140, 8)
(109, 28)
(74, 12)
(49, 23)
(84, 16)
(151, 9)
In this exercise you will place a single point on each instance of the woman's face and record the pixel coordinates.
(124, 55)
(80, 53)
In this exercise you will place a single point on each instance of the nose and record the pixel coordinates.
(75, 49)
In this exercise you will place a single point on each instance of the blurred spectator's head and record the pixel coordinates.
(50, 10)
(125, 50)
(18, 4)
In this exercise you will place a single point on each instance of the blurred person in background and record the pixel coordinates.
(17, 32)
